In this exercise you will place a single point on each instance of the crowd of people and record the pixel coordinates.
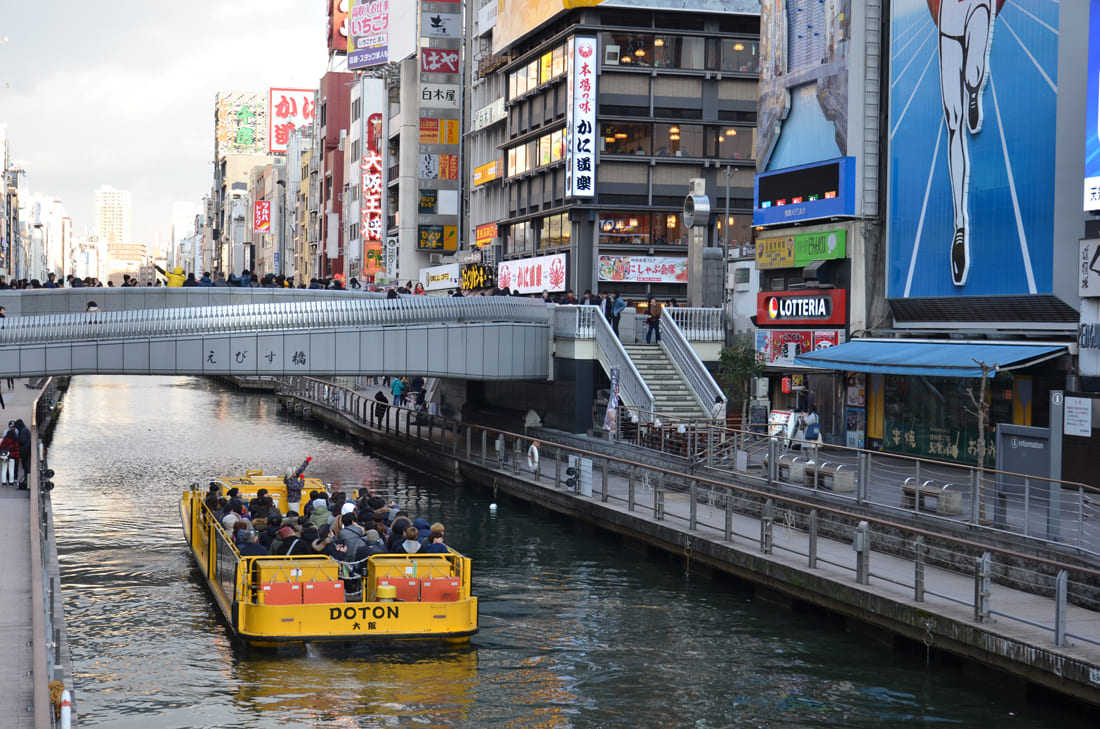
(329, 523)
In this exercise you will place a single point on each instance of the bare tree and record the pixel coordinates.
(981, 411)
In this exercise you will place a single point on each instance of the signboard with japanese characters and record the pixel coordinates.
(801, 249)
(484, 234)
(643, 269)
(439, 96)
(429, 202)
(261, 217)
(478, 276)
(439, 131)
(287, 109)
(240, 122)
(372, 179)
(489, 171)
(437, 238)
(438, 278)
(781, 346)
(439, 60)
(441, 25)
(1088, 272)
(369, 33)
(533, 275)
(580, 150)
(438, 167)
(488, 114)
(338, 25)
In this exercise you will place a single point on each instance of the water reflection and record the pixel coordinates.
(576, 631)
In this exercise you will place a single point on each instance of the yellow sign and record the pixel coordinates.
(775, 252)
(488, 171)
(439, 131)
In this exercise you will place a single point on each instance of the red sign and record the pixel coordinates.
(484, 234)
(439, 60)
(371, 217)
(261, 217)
(783, 308)
(287, 110)
(338, 26)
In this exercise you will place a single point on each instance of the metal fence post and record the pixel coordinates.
(767, 519)
(973, 497)
(515, 456)
(693, 495)
(811, 532)
(454, 438)
(773, 464)
(557, 468)
(918, 569)
(659, 498)
(1061, 585)
(729, 517)
(630, 488)
(603, 485)
(484, 447)
(469, 443)
(862, 546)
(864, 487)
(982, 588)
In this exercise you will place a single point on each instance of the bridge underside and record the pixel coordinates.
(482, 351)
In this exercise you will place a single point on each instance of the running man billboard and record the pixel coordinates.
(973, 151)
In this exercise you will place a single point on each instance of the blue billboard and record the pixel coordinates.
(806, 192)
(1092, 113)
(972, 125)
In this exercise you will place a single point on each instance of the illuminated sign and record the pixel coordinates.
(338, 25)
(781, 346)
(484, 234)
(823, 189)
(827, 306)
(489, 171)
(477, 276)
(437, 238)
(643, 269)
(440, 277)
(533, 275)
(580, 124)
(801, 249)
(287, 109)
(261, 217)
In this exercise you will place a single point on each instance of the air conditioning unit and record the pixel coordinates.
(435, 258)
(760, 387)
(611, 56)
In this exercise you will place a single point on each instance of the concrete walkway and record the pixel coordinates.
(16, 675)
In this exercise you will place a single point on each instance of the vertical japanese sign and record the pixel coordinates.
(287, 109)
(611, 417)
(369, 33)
(372, 201)
(261, 217)
(580, 152)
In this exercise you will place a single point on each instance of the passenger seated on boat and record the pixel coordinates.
(282, 539)
(379, 525)
(213, 495)
(372, 545)
(325, 543)
(423, 528)
(306, 537)
(261, 505)
(222, 509)
(397, 532)
(235, 503)
(249, 544)
(412, 544)
(351, 535)
(320, 515)
(270, 534)
(230, 520)
(435, 543)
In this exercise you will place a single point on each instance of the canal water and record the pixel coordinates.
(576, 630)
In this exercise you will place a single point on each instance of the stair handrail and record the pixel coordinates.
(699, 324)
(588, 322)
(695, 374)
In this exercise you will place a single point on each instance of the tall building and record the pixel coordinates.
(180, 251)
(112, 215)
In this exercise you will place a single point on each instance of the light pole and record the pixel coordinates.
(726, 248)
(279, 243)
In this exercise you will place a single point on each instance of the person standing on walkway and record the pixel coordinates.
(653, 320)
(617, 306)
(24, 435)
(397, 388)
(380, 406)
(9, 444)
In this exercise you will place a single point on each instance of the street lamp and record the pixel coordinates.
(279, 244)
(726, 247)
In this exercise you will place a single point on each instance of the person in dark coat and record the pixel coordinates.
(24, 450)
(10, 443)
(380, 407)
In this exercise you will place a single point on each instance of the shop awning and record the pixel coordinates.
(931, 359)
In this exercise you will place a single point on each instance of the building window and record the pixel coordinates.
(618, 138)
(739, 55)
(627, 49)
(730, 142)
(671, 51)
(679, 140)
(625, 229)
(668, 229)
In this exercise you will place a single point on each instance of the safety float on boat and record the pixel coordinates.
(277, 599)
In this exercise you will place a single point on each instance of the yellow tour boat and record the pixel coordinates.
(276, 599)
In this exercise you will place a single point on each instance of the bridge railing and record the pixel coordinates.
(698, 324)
(288, 315)
(716, 509)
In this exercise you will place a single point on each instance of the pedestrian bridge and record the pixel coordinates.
(226, 331)
(281, 332)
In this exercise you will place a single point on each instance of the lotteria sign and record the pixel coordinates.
(824, 307)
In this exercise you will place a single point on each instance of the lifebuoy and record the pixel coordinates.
(533, 457)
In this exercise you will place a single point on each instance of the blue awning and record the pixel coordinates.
(931, 359)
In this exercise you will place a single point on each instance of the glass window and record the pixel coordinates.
(740, 227)
(625, 229)
(730, 142)
(558, 63)
(669, 230)
(618, 138)
(546, 67)
(544, 150)
(740, 55)
(512, 171)
(679, 140)
(557, 145)
(628, 49)
(532, 75)
(555, 231)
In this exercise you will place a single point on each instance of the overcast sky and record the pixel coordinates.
(121, 92)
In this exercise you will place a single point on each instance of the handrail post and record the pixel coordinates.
(659, 498)
(982, 588)
(862, 546)
(864, 487)
(973, 497)
(469, 444)
(693, 494)
(767, 520)
(1061, 584)
(603, 485)
(773, 465)
(811, 532)
(454, 438)
(484, 446)
(918, 569)
(630, 488)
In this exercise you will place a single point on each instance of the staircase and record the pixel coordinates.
(671, 395)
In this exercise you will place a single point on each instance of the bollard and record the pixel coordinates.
(811, 532)
(918, 569)
(767, 519)
(862, 546)
(982, 585)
